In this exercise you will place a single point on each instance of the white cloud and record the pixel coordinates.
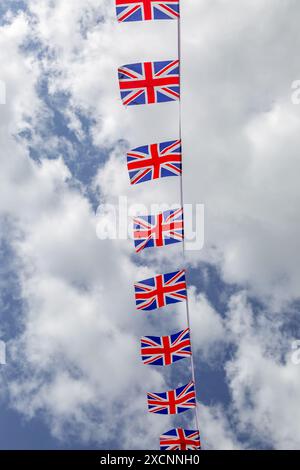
(78, 353)
(216, 433)
(77, 356)
(16, 71)
(81, 331)
(243, 139)
(240, 140)
(264, 386)
(207, 325)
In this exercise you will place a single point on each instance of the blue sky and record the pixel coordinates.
(67, 312)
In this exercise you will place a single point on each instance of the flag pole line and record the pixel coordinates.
(182, 202)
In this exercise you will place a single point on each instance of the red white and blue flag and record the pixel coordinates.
(149, 82)
(174, 401)
(180, 439)
(161, 229)
(153, 161)
(140, 10)
(161, 290)
(165, 350)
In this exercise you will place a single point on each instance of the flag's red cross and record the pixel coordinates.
(150, 81)
(173, 401)
(167, 348)
(147, 7)
(161, 290)
(156, 161)
(147, 4)
(156, 232)
(183, 441)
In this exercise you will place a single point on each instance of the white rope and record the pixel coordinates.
(182, 201)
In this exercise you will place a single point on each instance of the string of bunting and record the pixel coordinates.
(145, 83)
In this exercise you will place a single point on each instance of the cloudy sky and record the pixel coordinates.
(73, 377)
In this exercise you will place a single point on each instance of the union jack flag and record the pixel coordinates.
(161, 229)
(174, 401)
(139, 10)
(149, 82)
(161, 290)
(180, 439)
(165, 350)
(153, 161)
